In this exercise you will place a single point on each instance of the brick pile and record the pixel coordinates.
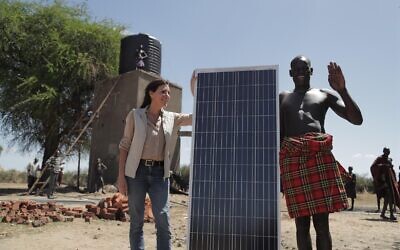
(116, 208)
(111, 208)
(39, 214)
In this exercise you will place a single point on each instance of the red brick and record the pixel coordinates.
(103, 211)
(57, 218)
(88, 214)
(20, 220)
(90, 206)
(108, 216)
(45, 219)
(15, 205)
(112, 210)
(7, 219)
(32, 206)
(44, 207)
(109, 203)
(95, 210)
(77, 209)
(51, 203)
(69, 213)
(69, 219)
(118, 204)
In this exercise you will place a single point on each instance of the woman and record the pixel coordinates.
(144, 163)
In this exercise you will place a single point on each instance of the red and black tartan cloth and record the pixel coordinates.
(310, 175)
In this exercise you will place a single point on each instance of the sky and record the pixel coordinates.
(362, 36)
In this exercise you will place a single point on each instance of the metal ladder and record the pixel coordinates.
(94, 115)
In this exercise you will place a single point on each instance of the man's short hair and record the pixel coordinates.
(300, 58)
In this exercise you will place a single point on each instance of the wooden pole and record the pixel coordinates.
(79, 166)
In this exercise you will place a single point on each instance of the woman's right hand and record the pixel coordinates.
(193, 82)
(122, 186)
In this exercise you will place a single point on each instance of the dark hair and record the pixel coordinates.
(153, 86)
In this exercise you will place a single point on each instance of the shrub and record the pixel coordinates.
(70, 178)
(364, 183)
(12, 176)
(184, 172)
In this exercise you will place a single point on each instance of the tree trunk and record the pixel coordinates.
(79, 168)
(50, 146)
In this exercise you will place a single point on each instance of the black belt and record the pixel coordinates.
(151, 163)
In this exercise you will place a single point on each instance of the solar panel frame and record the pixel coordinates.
(233, 207)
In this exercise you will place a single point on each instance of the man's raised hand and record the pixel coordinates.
(336, 78)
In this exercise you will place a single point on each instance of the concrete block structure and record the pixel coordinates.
(108, 127)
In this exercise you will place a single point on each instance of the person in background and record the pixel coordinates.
(31, 172)
(376, 172)
(385, 179)
(60, 177)
(100, 168)
(54, 168)
(310, 175)
(351, 187)
(398, 182)
(145, 156)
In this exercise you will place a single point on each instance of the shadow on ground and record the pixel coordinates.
(23, 191)
(380, 220)
(9, 191)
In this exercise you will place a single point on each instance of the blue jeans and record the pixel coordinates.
(149, 180)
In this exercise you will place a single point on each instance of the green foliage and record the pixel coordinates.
(184, 173)
(364, 183)
(12, 176)
(70, 178)
(50, 57)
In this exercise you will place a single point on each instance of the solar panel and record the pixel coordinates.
(234, 182)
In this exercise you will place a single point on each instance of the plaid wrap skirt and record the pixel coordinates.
(310, 175)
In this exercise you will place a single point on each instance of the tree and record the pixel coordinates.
(50, 57)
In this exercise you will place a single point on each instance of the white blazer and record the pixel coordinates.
(171, 122)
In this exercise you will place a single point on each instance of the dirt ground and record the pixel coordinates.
(358, 229)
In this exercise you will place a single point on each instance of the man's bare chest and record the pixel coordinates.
(308, 102)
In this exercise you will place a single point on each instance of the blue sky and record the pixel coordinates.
(360, 35)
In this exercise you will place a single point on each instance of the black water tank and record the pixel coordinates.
(140, 51)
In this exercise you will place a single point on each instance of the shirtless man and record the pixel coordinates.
(311, 177)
